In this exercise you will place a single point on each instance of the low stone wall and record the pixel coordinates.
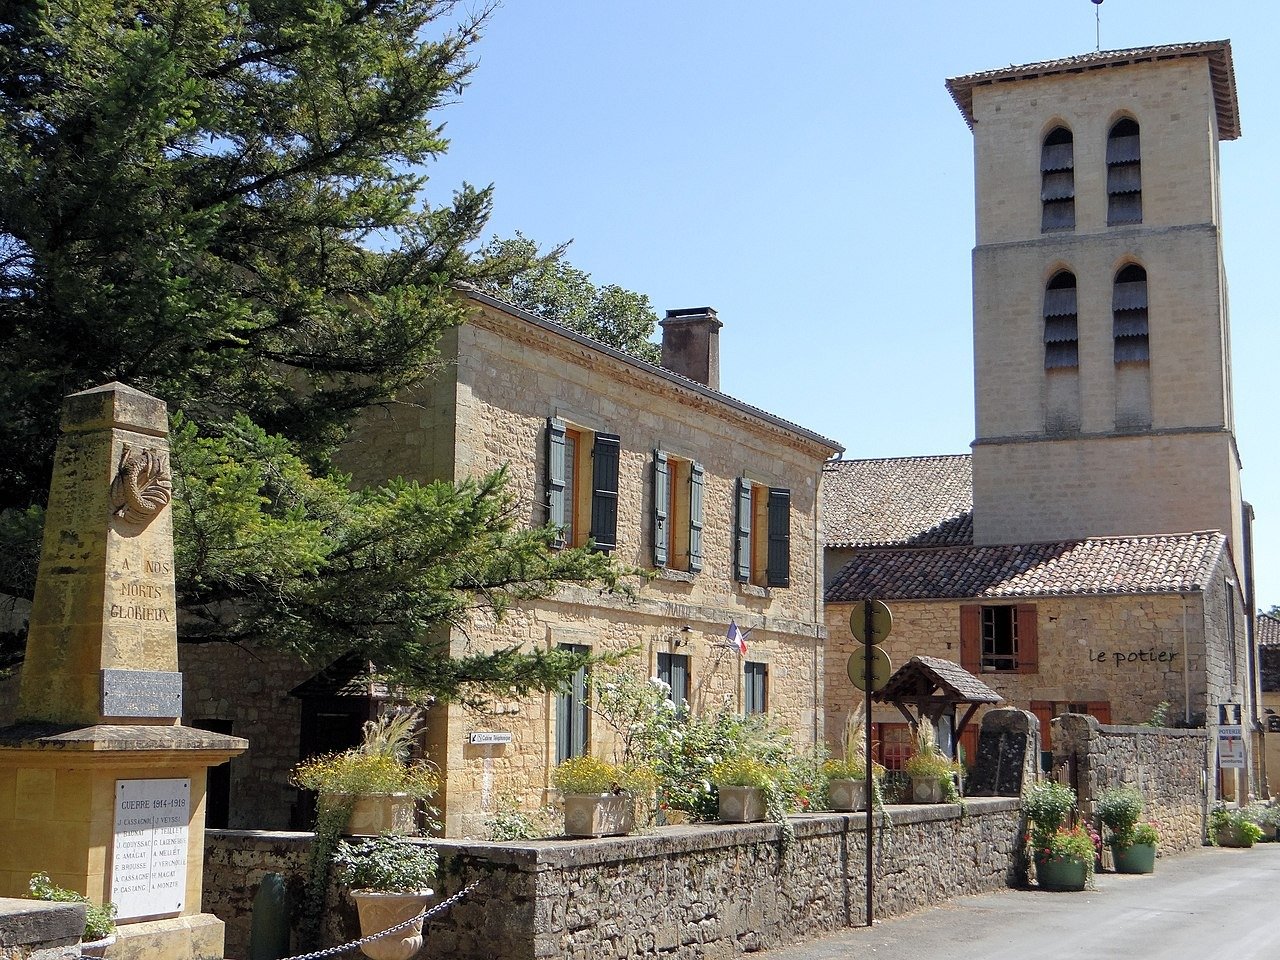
(39, 930)
(1167, 766)
(705, 891)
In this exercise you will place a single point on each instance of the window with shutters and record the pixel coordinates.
(673, 670)
(1124, 173)
(1061, 340)
(1057, 181)
(677, 512)
(999, 639)
(755, 694)
(762, 534)
(582, 485)
(573, 716)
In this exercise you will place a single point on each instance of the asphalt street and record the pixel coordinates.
(1208, 904)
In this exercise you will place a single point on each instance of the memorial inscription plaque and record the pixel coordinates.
(141, 693)
(149, 855)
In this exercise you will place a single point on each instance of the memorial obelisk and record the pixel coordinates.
(100, 785)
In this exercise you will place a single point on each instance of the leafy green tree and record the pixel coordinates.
(223, 203)
(553, 288)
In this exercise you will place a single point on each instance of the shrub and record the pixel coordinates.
(99, 921)
(588, 775)
(1048, 806)
(387, 864)
(1119, 808)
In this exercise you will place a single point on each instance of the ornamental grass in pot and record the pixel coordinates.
(846, 780)
(389, 879)
(933, 775)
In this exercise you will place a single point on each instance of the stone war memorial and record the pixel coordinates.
(100, 785)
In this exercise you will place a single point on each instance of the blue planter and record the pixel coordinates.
(1062, 873)
(1135, 858)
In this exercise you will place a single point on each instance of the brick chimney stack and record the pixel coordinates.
(691, 344)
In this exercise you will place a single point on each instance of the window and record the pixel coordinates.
(677, 512)
(892, 744)
(572, 715)
(1124, 173)
(1057, 181)
(1061, 341)
(582, 485)
(673, 670)
(1129, 315)
(999, 638)
(755, 693)
(762, 557)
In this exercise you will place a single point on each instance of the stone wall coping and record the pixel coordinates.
(24, 922)
(1143, 730)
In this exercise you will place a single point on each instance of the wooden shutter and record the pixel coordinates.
(1100, 710)
(661, 508)
(555, 475)
(1028, 638)
(778, 565)
(604, 491)
(971, 637)
(571, 712)
(969, 740)
(742, 531)
(696, 474)
(1043, 709)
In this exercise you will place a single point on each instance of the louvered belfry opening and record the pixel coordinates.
(1124, 173)
(1058, 181)
(1061, 340)
(1129, 315)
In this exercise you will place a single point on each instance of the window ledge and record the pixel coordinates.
(676, 576)
(751, 590)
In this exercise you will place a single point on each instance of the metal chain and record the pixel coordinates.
(424, 916)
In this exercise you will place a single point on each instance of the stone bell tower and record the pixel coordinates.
(1101, 336)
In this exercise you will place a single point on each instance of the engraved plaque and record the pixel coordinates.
(141, 693)
(149, 852)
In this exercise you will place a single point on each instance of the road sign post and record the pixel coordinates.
(869, 670)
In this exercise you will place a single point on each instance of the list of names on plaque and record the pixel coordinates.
(149, 856)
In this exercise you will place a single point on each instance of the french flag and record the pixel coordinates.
(737, 637)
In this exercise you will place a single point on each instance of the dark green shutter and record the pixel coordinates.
(555, 474)
(673, 669)
(695, 516)
(742, 531)
(571, 711)
(778, 567)
(604, 491)
(756, 683)
(661, 508)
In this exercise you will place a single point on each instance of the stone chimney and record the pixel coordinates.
(691, 344)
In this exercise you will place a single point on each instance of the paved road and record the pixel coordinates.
(1210, 904)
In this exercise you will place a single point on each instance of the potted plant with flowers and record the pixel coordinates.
(1063, 854)
(389, 879)
(1133, 844)
(933, 775)
(847, 779)
(599, 797)
(1231, 828)
(749, 790)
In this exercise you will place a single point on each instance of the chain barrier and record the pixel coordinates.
(423, 917)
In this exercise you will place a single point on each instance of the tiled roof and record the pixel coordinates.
(1179, 563)
(512, 310)
(956, 682)
(898, 502)
(1218, 52)
(1268, 631)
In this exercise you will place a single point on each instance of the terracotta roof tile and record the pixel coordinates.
(956, 681)
(1268, 631)
(898, 502)
(1180, 563)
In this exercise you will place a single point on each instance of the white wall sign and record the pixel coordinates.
(149, 856)
(490, 736)
(1231, 747)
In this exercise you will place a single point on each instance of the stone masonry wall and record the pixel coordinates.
(1166, 766)
(702, 891)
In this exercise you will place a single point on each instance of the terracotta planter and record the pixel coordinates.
(1062, 874)
(1135, 858)
(375, 814)
(847, 795)
(380, 911)
(741, 804)
(599, 814)
(926, 790)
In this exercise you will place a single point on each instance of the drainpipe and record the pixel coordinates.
(1186, 676)
(819, 581)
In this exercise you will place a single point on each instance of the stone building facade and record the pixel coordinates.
(716, 499)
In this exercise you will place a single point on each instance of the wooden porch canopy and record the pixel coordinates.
(931, 685)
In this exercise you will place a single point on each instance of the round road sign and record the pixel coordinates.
(881, 669)
(881, 621)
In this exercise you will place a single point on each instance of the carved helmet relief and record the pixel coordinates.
(143, 485)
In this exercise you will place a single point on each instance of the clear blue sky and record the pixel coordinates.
(801, 168)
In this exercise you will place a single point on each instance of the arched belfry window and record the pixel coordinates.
(1061, 341)
(1129, 315)
(1057, 181)
(1124, 173)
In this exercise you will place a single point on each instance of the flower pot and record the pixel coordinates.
(1063, 874)
(599, 814)
(1231, 837)
(1135, 858)
(97, 948)
(377, 813)
(742, 804)
(926, 790)
(380, 911)
(847, 795)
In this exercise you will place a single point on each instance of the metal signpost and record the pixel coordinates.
(869, 671)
